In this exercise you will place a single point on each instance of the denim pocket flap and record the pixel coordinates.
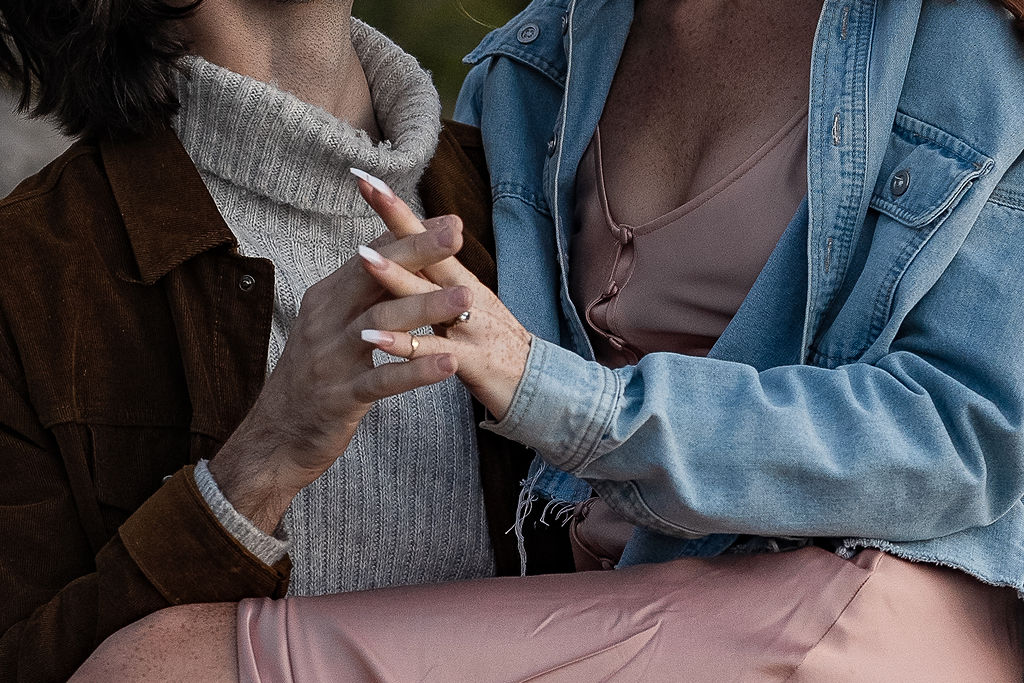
(925, 172)
(533, 38)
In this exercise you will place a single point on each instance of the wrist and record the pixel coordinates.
(251, 479)
(268, 548)
(501, 398)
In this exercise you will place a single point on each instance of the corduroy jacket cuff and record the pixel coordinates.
(187, 554)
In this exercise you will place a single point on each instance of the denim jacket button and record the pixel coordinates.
(246, 283)
(900, 183)
(528, 33)
(552, 145)
(565, 23)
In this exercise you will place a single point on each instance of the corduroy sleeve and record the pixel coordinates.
(171, 551)
(188, 556)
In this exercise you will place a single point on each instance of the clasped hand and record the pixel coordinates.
(490, 349)
(326, 381)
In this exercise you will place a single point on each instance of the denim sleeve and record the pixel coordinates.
(925, 442)
(468, 105)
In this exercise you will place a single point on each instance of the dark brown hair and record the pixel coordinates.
(94, 65)
(1016, 8)
(101, 66)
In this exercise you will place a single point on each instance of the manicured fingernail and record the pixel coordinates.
(377, 337)
(371, 256)
(375, 183)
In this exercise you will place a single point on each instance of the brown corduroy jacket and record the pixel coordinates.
(128, 351)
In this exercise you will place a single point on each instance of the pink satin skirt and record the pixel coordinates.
(806, 615)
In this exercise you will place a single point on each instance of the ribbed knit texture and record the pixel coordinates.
(404, 504)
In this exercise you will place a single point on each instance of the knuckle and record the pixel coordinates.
(313, 297)
(304, 335)
(421, 246)
(319, 370)
(382, 241)
(454, 222)
(367, 390)
(375, 319)
(461, 297)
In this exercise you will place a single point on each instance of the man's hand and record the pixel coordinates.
(325, 381)
(491, 348)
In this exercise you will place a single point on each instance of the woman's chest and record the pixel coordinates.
(700, 87)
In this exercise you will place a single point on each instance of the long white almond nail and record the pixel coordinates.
(375, 183)
(377, 337)
(372, 256)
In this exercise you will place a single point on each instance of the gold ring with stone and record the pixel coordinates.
(414, 342)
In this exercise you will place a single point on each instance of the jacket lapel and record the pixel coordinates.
(221, 303)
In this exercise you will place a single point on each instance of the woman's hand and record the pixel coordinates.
(325, 380)
(491, 347)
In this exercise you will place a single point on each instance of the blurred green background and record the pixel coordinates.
(439, 32)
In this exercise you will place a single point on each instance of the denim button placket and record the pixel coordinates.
(553, 145)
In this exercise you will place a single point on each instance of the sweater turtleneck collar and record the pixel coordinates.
(268, 142)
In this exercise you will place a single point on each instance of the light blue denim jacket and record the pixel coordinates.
(871, 387)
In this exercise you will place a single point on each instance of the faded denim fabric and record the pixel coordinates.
(871, 387)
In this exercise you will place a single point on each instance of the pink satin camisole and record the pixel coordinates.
(674, 283)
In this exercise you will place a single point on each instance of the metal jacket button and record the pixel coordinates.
(246, 283)
(552, 145)
(565, 23)
(528, 33)
(900, 183)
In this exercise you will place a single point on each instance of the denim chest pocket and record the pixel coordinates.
(925, 174)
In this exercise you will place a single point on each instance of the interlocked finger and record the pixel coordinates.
(391, 379)
(411, 253)
(403, 223)
(395, 279)
(400, 344)
(450, 271)
(412, 312)
(419, 251)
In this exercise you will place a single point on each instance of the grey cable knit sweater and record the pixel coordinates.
(403, 505)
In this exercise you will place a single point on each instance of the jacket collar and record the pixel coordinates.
(169, 215)
(534, 38)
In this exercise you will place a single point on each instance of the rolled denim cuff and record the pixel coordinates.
(562, 407)
(269, 549)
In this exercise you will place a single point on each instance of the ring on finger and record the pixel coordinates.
(460, 319)
(414, 342)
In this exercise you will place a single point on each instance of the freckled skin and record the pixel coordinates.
(702, 84)
(187, 643)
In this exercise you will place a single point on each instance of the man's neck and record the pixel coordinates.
(303, 48)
